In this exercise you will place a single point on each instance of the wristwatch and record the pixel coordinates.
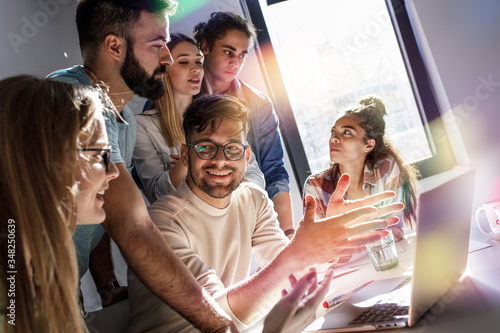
(107, 289)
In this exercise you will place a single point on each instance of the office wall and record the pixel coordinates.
(461, 43)
(37, 36)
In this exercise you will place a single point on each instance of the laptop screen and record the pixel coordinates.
(443, 228)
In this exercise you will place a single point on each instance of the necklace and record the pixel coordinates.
(103, 91)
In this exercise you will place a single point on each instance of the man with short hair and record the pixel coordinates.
(225, 40)
(214, 222)
(123, 45)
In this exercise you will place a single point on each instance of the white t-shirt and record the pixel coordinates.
(215, 244)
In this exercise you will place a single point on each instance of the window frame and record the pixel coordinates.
(443, 158)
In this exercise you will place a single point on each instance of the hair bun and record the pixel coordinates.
(375, 104)
(198, 29)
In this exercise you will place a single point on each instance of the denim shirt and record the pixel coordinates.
(122, 141)
(121, 135)
(264, 137)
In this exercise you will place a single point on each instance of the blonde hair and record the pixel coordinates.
(170, 122)
(40, 123)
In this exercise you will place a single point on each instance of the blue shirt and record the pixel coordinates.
(121, 135)
(264, 137)
(122, 141)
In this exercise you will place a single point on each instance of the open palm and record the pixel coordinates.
(338, 205)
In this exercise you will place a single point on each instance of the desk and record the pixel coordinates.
(471, 305)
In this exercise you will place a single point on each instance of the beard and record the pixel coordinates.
(137, 79)
(214, 191)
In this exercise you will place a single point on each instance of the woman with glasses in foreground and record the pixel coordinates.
(55, 168)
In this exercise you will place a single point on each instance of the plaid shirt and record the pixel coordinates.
(384, 177)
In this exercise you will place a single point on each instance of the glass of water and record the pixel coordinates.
(383, 253)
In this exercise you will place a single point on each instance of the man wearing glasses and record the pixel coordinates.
(123, 45)
(226, 40)
(214, 222)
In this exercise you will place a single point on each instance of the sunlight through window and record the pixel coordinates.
(331, 53)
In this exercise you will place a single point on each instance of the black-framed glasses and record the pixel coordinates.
(207, 150)
(105, 154)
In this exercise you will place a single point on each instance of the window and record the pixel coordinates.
(322, 56)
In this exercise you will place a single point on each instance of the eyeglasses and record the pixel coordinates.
(105, 154)
(207, 150)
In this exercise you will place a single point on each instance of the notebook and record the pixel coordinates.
(441, 250)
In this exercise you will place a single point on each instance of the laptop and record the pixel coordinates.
(441, 250)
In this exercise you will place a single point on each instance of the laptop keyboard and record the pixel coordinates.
(392, 306)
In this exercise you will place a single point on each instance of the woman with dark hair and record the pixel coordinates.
(159, 129)
(359, 147)
(55, 168)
